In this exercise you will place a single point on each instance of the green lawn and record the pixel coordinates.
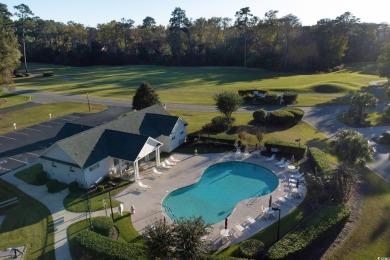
(27, 223)
(29, 175)
(38, 114)
(195, 85)
(10, 99)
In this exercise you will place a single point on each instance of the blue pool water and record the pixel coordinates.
(218, 191)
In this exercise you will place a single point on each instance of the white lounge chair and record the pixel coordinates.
(284, 165)
(154, 169)
(143, 185)
(256, 153)
(239, 227)
(282, 161)
(250, 220)
(173, 159)
(169, 163)
(165, 166)
(238, 152)
(282, 200)
(271, 158)
(246, 153)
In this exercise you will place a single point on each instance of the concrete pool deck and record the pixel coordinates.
(148, 207)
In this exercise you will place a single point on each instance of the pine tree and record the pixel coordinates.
(145, 96)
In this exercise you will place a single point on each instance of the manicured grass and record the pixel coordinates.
(77, 201)
(127, 233)
(27, 223)
(38, 114)
(11, 99)
(370, 237)
(376, 119)
(195, 85)
(29, 175)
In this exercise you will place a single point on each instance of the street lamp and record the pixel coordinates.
(89, 108)
(299, 142)
(278, 209)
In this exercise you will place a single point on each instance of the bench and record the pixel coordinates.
(8, 202)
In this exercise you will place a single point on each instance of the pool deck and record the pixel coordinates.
(147, 201)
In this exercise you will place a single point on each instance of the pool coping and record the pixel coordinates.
(148, 201)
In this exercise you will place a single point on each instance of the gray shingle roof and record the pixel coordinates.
(121, 138)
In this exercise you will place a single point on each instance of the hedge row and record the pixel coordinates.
(215, 140)
(297, 112)
(311, 230)
(281, 117)
(320, 160)
(100, 247)
(286, 149)
(103, 225)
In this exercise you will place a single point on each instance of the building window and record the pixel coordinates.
(93, 167)
(182, 132)
(53, 165)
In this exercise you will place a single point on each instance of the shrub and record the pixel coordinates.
(74, 186)
(281, 117)
(297, 113)
(19, 75)
(317, 226)
(26, 74)
(260, 115)
(320, 160)
(100, 188)
(251, 248)
(48, 73)
(271, 98)
(54, 186)
(386, 137)
(287, 149)
(103, 225)
(290, 97)
(219, 124)
(41, 177)
(386, 113)
(92, 245)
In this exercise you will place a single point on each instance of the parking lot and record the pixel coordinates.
(23, 146)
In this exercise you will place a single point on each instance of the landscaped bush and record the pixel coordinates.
(251, 248)
(386, 137)
(54, 186)
(320, 160)
(100, 188)
(219, 124)
(95, 246)
(260, 115)
(297, 112)
(26, 74)
(271, 98)
(74, 186)
(48, 73)
(281, 117)
(286, 149)
(316, 227)
(103, 225)
(19, 75)
(290, 98)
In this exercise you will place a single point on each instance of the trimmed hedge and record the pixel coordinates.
(320, 160)
(54, 186)
(260, 115)
(311, 230)
(285, 148)
(99, 247)
(281, 117)
(48, 73)
(297, 112)
(103, 225)
(251, 248)
(290, 97)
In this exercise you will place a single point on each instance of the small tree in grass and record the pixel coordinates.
(227, 102)
(361, 102)
(159, 239)
(145, 96)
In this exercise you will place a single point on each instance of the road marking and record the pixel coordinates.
(16, 159)
(7, 137)
(55, 123)
(32, 129)
(33, 154)
(45, 126)
(19, 133)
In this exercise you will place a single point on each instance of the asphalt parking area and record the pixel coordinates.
(24, 146)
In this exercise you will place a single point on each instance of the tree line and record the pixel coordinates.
(271, 42)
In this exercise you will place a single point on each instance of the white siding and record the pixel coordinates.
(92, 176)
(62, 172)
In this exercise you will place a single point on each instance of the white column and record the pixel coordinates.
(136, 170)
(158, 156)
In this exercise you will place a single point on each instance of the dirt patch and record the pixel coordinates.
(2, 101)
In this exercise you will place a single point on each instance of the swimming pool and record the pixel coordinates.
(220, 188)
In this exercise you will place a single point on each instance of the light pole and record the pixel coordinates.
(89, 108)
(278, 209)
(299, 142)
(89, 210)
(109, 195)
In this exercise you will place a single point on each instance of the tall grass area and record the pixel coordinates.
(38, 114)
(195, 85)
(370, 238)
(27, 223)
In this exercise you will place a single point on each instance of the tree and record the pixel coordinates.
(361, 101)
(159, 239)
(227, 103)
(384, 62)
(145, 96)
(148, 22)
(23, 13)
(352, 148)
(9, 53)
(178, 23)
(243, 20)
(188, 234)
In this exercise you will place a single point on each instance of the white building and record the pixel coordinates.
(113, 146)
